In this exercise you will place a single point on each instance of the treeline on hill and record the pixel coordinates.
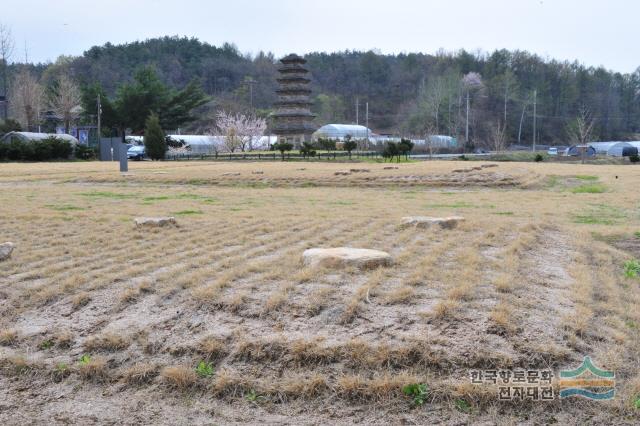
(412, 95)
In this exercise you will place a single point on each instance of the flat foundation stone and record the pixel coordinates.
(154, 221)
(346, 256)
(5, 250)
(425, 222)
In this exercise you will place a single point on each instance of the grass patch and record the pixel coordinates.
(594, 188)
(600, 214)
(187, 212)
(185, 196)
(591, 219)
(154, 199)
(504, 213)
(587, 177)
(107, 194)
(64, 207)
(459, 205)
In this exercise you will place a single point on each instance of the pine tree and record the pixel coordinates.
(154, 141)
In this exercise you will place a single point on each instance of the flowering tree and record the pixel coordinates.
(239, 130)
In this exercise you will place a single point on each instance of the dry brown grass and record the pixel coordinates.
(521, 283)
(179, 377)
(8, 337)
(107, 342)
(95, 370)
(140, 374)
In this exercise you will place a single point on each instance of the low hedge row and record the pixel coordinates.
(51, 148)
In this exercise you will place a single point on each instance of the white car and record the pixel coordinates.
(552, 151)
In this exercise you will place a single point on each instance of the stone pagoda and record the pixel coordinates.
(293, 120)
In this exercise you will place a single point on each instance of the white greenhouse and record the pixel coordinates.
(341, 131)
(31, 137)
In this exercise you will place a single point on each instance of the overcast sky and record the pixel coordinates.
(593, 32)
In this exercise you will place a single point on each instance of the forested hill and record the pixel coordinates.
(407, 93)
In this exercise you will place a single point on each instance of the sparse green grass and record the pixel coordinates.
(587, 177)
(595, 188)
(463, 406)
(591, 219)
(455, 205)
(64, 207)
(187, 212)
(107, 194)
(600, 214)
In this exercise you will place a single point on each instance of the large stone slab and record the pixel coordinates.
(425, 222)
(5, 250)
(346, 256)
(155, 221)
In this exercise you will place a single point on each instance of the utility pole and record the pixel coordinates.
(251, 82)
(466, 132)
(367, 121)
(357, 111)
(535, 102)
(99, 119)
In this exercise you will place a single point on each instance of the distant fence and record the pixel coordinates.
(271, 156)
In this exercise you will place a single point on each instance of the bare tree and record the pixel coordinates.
(498, 134)
(433, 96)
(239, 130)
(65, 100)
(430, 140)
(27, 97)
(580, 130)
(6, 51)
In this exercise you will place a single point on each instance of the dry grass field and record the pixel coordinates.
(216, 321)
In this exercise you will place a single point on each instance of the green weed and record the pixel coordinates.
(45, 344)
(84, 359)
(463, 406)
(252, 396)
(632, 268)
(417, 391)
(204, 369)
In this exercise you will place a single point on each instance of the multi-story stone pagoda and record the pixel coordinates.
(293, 119)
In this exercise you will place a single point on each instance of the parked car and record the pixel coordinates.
(136, 152)
(552, 151)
